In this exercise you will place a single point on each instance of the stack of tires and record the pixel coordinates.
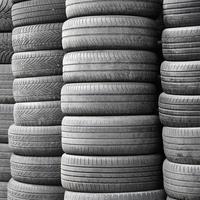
(6, 97)
(180, 103)
(35, 138)
(110, 132)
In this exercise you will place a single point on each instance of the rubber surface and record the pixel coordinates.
(22, 191)
(110, 65)
(3, 190)
(123, 135)
(109, 32)
(47, 113)
(181, 181)
(37, 37)
(108, 98)
(35, 140)
(179, 110)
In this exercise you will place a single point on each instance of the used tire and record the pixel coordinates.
(109, 32)
(111, 65)
(181, 181)
(181, 77)
(36, 170)
(179, 110)
(108, 98)
(181, 44)
(17, 190)
(3, 190)
(37, 37)
(35, 140)
(38, 12)
(45, 88)
(47, 113)
(120, 135)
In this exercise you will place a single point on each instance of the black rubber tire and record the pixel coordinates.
(46, 113)
(37, 37)
(3, 190)
(105, 66)
(6, 119)
(181, 44)
(5, 154)
(147, 195)
(109, 32)
(181, 145)
(45, 88)
(5, 16)
(111, 174)
(35, 141)
(23, 191)
(179, 110)
(6, 50)
(36, 170)
(181, 77)
(114, 98)
(102, 136)
(181, 181)
(37, 63)
(78, 8)
(181, 13)
(38, 12)
(6, 84)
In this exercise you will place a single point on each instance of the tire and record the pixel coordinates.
(36, 170)
(46, 88)
(179, 110)
(17, 190)
(111, 174)
(5, 16)
(37, 63)
(89, 66)
(77, 8)
(181, 77)
(181, 44)
(47, 113)
(109, 32)
(37, 37)
(181, 145)
(6, 119)
(104, 136)
(38, 12)
(181, 14)
(147, 195)
(6, 84)
(5, 154)
(6, 49)
(108, 98)
(40, 140)
(3, 190)
(181, 181)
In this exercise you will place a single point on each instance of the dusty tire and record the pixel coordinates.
(17, 190)
(179, 110)
(123, 135)
(46, 113)
(37, 37)
(181, 77)
(45, 88)
(109, 32)
(38, 12)
(181, 44)
(113, 65)
(35, 141)
(36, 170)
(181, 181)
(3, 190)
(6, 119)
(108, 98)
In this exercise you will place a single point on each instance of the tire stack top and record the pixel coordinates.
(179, 104)
(35, 137)
(110, 132)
